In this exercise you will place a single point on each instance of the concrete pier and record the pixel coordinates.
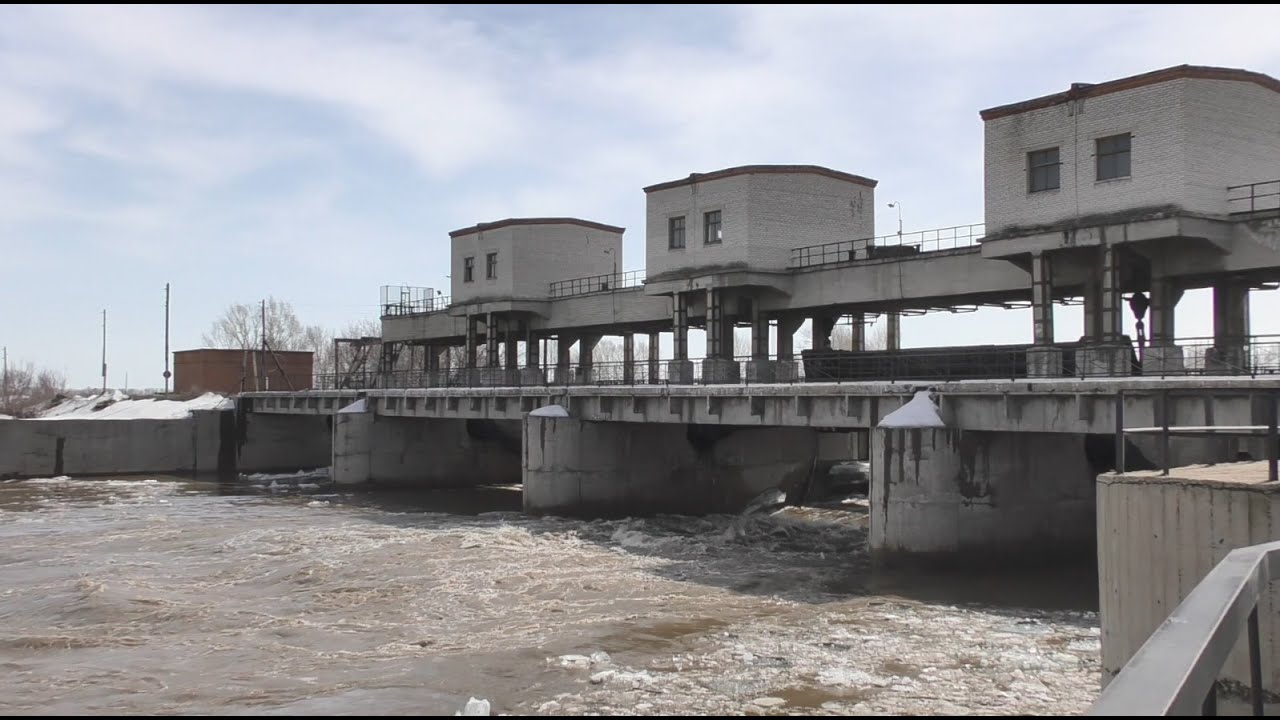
(956, 494)
(581, 468)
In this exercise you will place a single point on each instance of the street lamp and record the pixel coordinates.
(898, 205)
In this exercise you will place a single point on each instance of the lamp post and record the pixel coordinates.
(898, 205)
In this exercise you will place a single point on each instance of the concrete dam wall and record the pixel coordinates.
(205, 442)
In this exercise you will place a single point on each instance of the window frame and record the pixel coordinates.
(671, 232)
(469, 268)
(706, 227)
(1034, 168)
(491, 266)
(1113, 157)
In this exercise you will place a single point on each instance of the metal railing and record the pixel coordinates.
(597, 283)
(1254, 197)
(406, 300)
(896, 245)
(1251, 355)
(1175, 672)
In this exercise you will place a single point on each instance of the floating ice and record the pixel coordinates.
(475, 706)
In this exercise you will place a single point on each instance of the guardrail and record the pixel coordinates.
(400, 300)
(597, 283)
(896, 245)
(1254, 197)
(1175, 672)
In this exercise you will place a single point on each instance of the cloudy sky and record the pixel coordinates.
(317, 153)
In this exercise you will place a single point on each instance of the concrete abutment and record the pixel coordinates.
(420, 452)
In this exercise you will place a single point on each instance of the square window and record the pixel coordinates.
(675, 232)
(1043, 170)
(468, 269)
(711, 228)
(1113, 156)
(491, 266)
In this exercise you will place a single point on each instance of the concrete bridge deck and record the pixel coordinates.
(1031, 405)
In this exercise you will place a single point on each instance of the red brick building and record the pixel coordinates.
(233, 371)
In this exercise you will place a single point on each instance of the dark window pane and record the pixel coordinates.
(1042, 170)
(675, 232)
(1113, 155)
(711, 228)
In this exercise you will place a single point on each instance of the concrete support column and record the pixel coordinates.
(352, 438)
(1162, 355)
(589, 469)
(786, 369)
(586, 358)
(1230, 352)
(1043, 360)
(893, 331)
(472, 342)
(491, 341)
(629, 358)
(511, 341)
(680, 368)
(655, 350)
(982, 496)
(1106, 351)
(531, 373)
(823, 324)
(564, 343)
(759, 369)
(719, 367)
(857, 332)
(431, 365)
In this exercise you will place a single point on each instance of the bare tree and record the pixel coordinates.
(23, 388)
(320, 341)
(241, 327)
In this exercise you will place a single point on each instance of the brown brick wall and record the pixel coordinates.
(230, 371)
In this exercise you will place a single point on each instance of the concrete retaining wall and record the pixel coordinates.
(208, 441)
(983, 495)
(43, 448)
(582, 468)
(1157, 538)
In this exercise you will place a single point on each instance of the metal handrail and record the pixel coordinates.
(596, 283)
(895, 245)
(398, 300)
(1175, 672)
(1258, 196)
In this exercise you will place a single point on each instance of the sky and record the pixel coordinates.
(316, 153)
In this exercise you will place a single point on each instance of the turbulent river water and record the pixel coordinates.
(283, 596)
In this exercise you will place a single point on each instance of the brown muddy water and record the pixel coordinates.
(282, 596)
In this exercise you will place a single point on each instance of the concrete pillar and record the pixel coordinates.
(1043, 360)
(759, 369)
(786, 369)
(589, 469)
(432, 366)
(981, 496)
(586, 358)
(680, 368)
(532, 373)
(352, 434)
(857, 332)
(1163, 355)
(893, 331)
(1106, 350)
(472, 341)
(511, 342)
(1230, 351)
(823, 324)
(655, 350)
(719, 366)
(564, 343)
(628, 358)
(491, 341)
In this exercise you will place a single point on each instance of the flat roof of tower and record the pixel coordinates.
(761, 170)
(536, 221)
(1088, 90)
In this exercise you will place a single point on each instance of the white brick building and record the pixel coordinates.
(1173, 139)
(751, 217)
(519, 258)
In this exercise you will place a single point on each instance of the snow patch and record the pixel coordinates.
(919, 412)
(554, 411)
(358, 406)
(115, 405)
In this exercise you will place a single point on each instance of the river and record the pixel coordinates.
(146, 595)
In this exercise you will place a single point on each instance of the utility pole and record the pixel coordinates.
(104, 350)
(167, 374)
(262, 366)
(4, 379)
